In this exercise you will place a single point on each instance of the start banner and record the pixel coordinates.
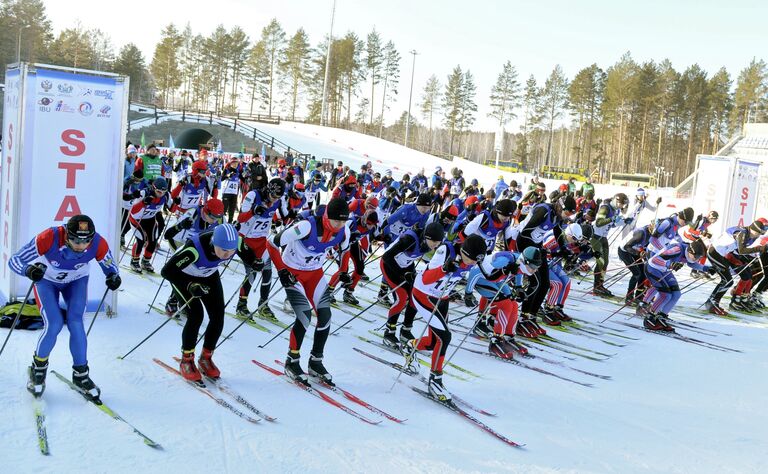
(69, 137)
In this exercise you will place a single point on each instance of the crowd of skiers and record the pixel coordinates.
(438, 238)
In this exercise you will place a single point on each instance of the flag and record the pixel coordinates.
(143, 141)
(242, 147)
(264, 152)
(171, 145)
(219, 148)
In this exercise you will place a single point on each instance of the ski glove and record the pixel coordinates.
(510, 269)
(519, 293)
(136, 194)
(450, 266)
(197, 290)
(344, 278)
(113, 281)
(259, 210)
(177, 200)
(287, 279)
(658, 201)
(186, 224)
(258, 265)
(628, 220)
(676, 266)
(148, 200)
(36, 271)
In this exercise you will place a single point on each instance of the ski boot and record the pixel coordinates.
(146, 265)
(37, 372)
(548, 316)
(714, 308)
(83, 382)
(738, 304)
(172, 307)
(521, 349)
(749, 301)
(318, 370)
(757, 301)
(482, 330)
(349, 298)
(455, 295)
(293, 368)
(390, 339)
(122, 242)
(499, 347)
(242, 308)
(436, 389)
(383, 299)
(560, 313)
(599, 290)
(135, 265)
(696, 274)
(207, 367)
(469, 300)
(530, 321)
(364, 277)
(188, 368)
(642, 309)
(655, 322)
(406, 334)
(265, 312)
(332, 295)
(409, 351)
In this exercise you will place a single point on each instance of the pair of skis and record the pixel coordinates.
(39, 411)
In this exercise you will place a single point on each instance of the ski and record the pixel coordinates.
(581, 332)
(456, 409)
(526, 366)
(203, 389)
(225, 388)
(108, 411)
(540, 341)
(317, 393)
(675, 335)
(575, 346)
(417, 375)
(42, 435)
(250, 322)
(696, 328)
(350, 312)
(351, 397)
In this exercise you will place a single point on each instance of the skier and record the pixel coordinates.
(255, 219)
(193, 273)
(63, 269)
(231, 177)
(609, 215)
(145, 224)
(408, 216)
(686, 249)
(632, 252)
(641, 204)
(298, 253)
(132, 187)
(430, 297)
(491, 279)
(489, 224)
(191, 191)
(398, 271)
(665, 230)
(313, 189)
(360, 228)
(573, 236)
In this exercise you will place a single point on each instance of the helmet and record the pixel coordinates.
(377, 175)
(505, 207)
(406, 177)
(371, 217)
(474, 247)
(438, 169)
(587, 231)
(337, 209)
(214, 208)
(198, 166)
(531, 256)
(434, 231)
(396, 185)
(80, 229)
(451, 212)
(424, 200)
(474, 182)
(372, 202)
(455, 172)
(686, 214)
(470, 201)
(160, 183)
(276, 187)
(563, 188)
(757, 226)
(391, 190)
(688, 234)
(621, 200)
(225, 237)
(299, 187)
(574, 230)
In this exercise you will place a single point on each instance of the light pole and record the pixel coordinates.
(410, 97)
(18, 43)
(324, 107)
(659, 172)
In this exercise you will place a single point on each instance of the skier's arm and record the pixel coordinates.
(290, 234)
(602, 218)
(173, 269)
(403, 244)
(36, 247)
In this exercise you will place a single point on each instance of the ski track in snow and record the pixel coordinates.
(672, 407)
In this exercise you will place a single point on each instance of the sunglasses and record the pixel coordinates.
(81, 240)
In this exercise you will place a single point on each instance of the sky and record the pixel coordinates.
(479, 35)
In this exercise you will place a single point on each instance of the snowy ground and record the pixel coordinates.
(671, 406)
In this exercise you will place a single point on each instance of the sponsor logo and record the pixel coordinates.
(55, 263)
(46, 85)
(78, 266)
(85, 109)
(62, 106)
(104, 112)
(45, 104)
(84, 91)
(65, 89)
(104, 93)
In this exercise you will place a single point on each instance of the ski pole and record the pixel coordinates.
(424, 331)
(736, 274)
(237, 290)
(364, 310)
(18, 315)
(479, 317)
(149, 306)
(170, 318)
(245, 319)
(97, 312)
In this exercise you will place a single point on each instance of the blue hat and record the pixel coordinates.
(225, 237)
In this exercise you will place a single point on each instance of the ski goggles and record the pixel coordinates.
(80, 240)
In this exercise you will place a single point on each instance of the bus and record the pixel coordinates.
(511, 166)
(564, 173)
(633, 179)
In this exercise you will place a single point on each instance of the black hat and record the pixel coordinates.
(80, 228)
(337, 209)
(505, 207)
(423, 200)
(686, 214)
(474, 247)
(434, 231)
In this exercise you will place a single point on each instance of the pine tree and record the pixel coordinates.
(468, 106)
(720, 105)
(130, 62)
(391, 73)
(750, 95)
(430, 103)
(505, 95)
(585, 94)
(532, 119)
(24, 30)
(256, 75)
(452, 103)
(373, 60)
(554, 97)
(237, 57)
(273, 37)
(73, 47)
(165, 63)
(296, 68)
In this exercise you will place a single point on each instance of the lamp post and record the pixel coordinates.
(659, 171)
(324, 107)
(18, 42)
(410, 97)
